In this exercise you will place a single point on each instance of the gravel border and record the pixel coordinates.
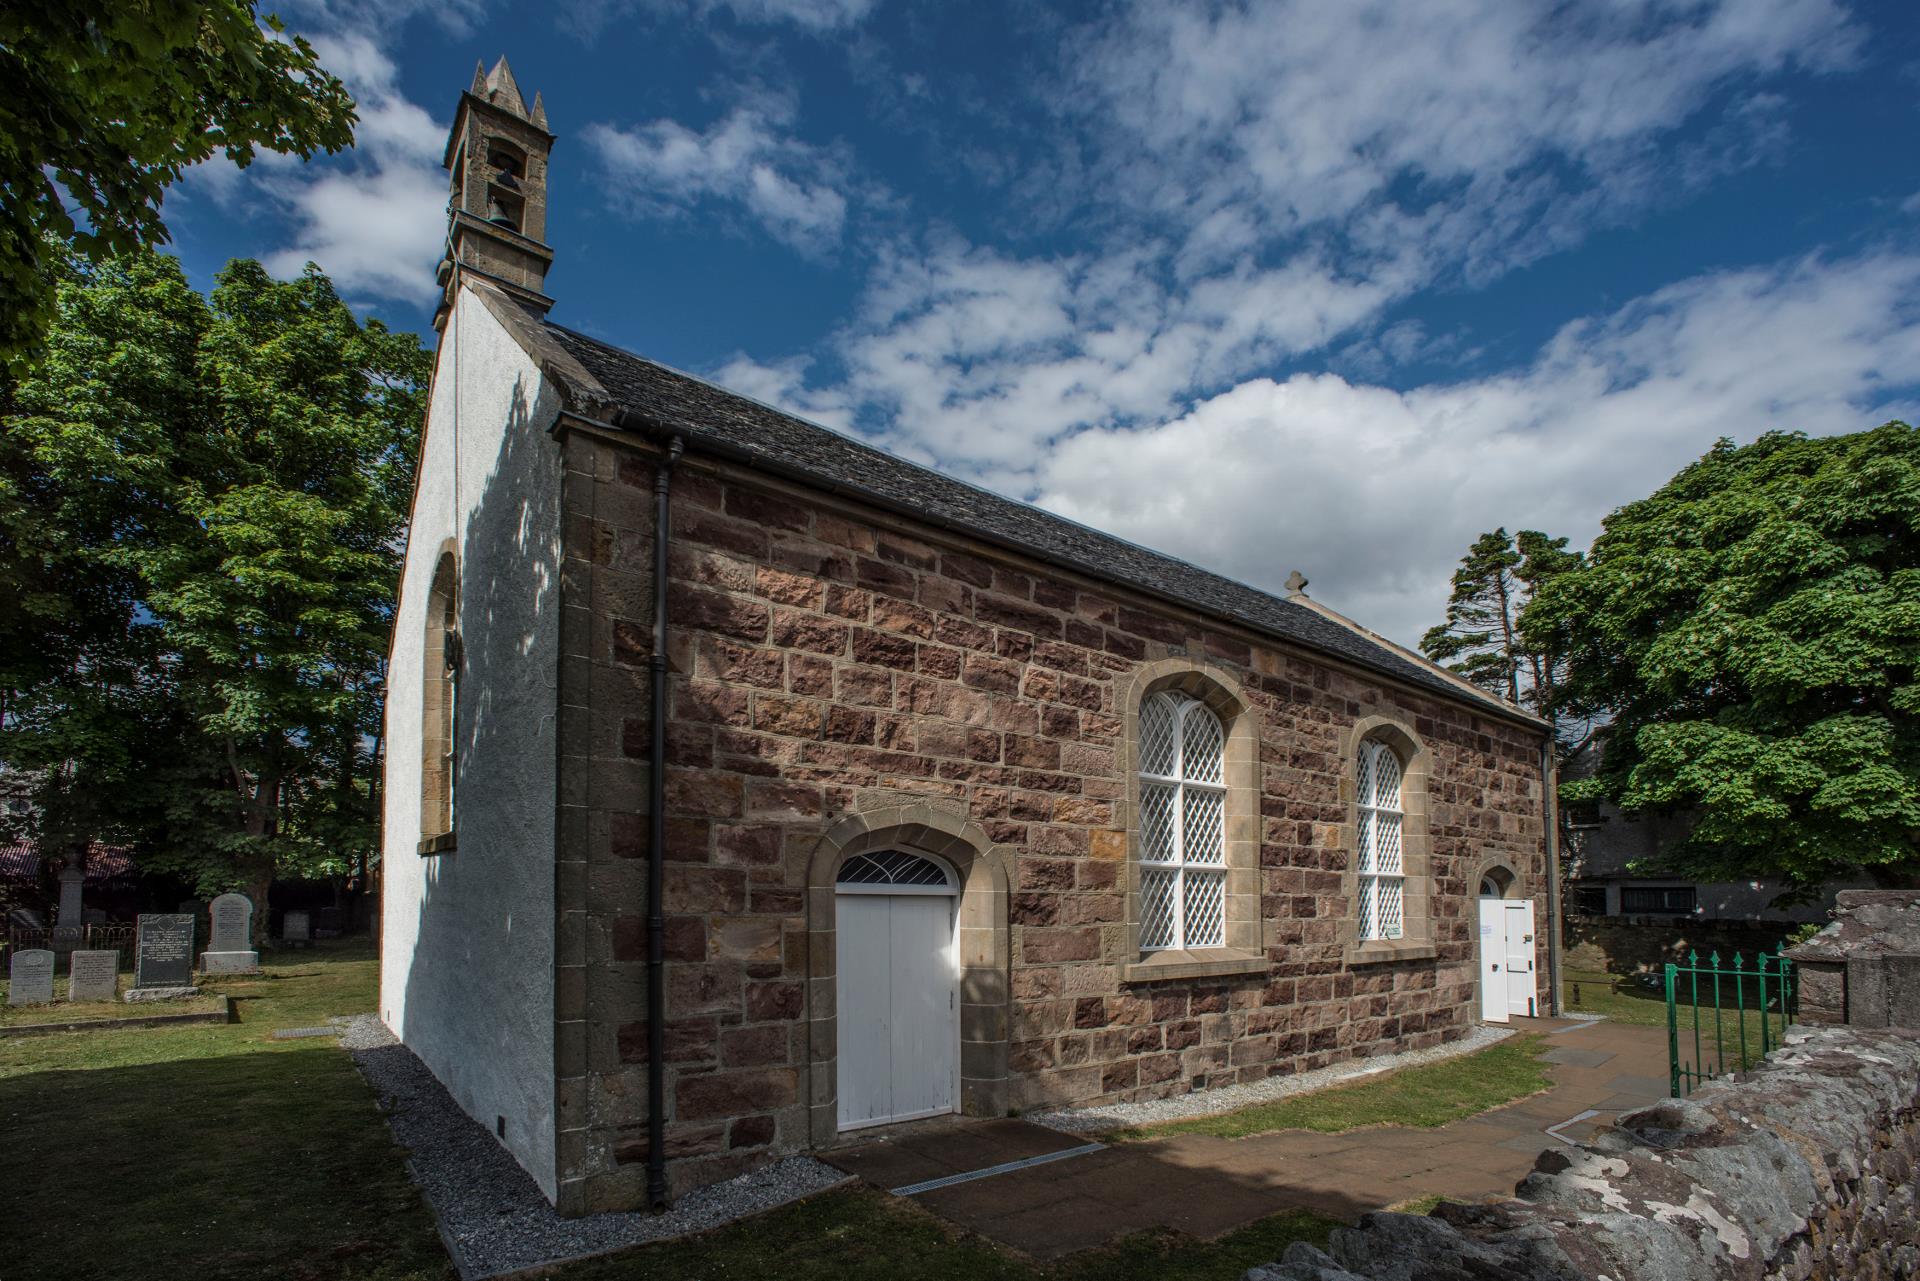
(492, 1216)
(1230, 1098)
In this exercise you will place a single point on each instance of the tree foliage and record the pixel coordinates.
(1752, 632)
(107, 104)
(206, 500)
(1482, 640)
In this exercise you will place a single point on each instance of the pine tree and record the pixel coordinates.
(1483, 638)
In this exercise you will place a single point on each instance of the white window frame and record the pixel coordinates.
(1380, 843)
(1206, 855)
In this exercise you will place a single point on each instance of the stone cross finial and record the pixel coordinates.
(1296, 583)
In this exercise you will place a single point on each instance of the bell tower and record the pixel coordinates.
(497, 203)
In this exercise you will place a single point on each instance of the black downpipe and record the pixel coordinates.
(657, 845)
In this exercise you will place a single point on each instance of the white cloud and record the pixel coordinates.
(791, 188)
(1476, 133)
(588, 18)
(1375, 493)
(374, 219)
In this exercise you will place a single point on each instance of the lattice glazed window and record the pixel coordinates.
(1379, 859)
(1183, 824)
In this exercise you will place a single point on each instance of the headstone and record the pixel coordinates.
(296, 927)
(163, 957)
(231, 949)
(72, 878)
(30, 977)
(90, 976)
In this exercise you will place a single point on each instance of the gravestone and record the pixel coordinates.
(296, 927)
(72, 879)
(230, 951)
(31, 977)
(163, 957)
(90, 975)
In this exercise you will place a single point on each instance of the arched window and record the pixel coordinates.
(440, 702)
(1183, 801)
(1380, 854)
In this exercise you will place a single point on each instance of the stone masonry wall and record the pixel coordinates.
(827, 659)
(1803, 1168)
(1641, 945)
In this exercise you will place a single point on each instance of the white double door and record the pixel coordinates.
(898, 1016)
(1506, 959)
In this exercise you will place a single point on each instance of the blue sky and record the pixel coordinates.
(1293, 285)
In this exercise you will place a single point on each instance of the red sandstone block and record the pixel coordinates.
(682, 1041)
(769, 1001)
(902, 616)
(794, 717)
(704, 889)
(693, 607)
(1052, 946)
(793, 629)
(959, 632)
(968, 569)
(810, 675)
(843, 532)
(699, 792)
(1007, 612)
(693, 525)
(683, 939)
(765, 509)
(883, 649)
(789, 589)
(748, 845)
(724, 1094)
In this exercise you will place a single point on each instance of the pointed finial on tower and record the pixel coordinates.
(539, 110)
(479, 89)
(1296, 584)
(502, 91)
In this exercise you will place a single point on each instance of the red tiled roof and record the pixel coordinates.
(21, 860)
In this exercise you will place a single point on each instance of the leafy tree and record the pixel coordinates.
(1752, 631)
(229, 479)
(83, 482)
(1482, 638)
(107, 104)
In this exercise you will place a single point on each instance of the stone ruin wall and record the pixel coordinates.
(1802, 1168)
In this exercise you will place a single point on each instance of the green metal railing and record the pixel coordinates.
(1734, 1037)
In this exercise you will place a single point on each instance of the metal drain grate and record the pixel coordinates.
(1008, 1167)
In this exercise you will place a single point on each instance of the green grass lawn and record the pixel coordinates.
(1622, 999)
(862, 1234)
(65, 1011)
(212, 1152)
(1725, 1041)
(1428, 1096)
(209, 1151)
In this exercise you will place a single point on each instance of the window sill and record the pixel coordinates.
(441, 844)
(1200, 963)
(1382, 951)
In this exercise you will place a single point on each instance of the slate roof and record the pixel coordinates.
(736, 426)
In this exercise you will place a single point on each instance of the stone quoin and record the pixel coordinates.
(1131, 828)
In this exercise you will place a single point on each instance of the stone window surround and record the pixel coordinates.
(985, 952)
(1221, 694)
(436, 783)
(1416, 845)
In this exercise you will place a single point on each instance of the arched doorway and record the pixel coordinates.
(1506, 947)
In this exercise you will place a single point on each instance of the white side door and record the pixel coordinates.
(1519, 956)
(898, 1017)
(1493, 959)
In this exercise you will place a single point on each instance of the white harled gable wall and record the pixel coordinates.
(467, 948)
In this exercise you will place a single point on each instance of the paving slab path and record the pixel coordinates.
(1204, 1186)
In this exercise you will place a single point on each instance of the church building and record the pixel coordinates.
(748, 787)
